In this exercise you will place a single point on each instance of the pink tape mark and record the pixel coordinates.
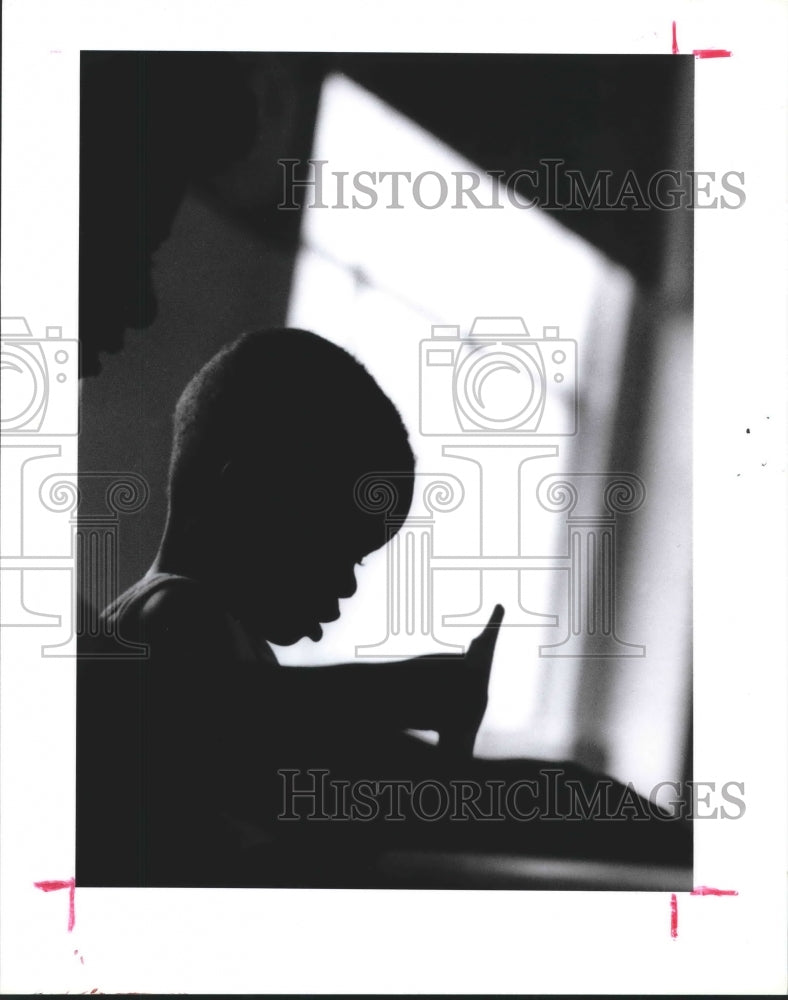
(700, 53)
(705, 890)
(699, 890)
(52, 885)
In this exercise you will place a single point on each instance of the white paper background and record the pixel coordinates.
(525, 942)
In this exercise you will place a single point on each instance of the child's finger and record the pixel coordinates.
(496, 617)
(490, 632)
(487, 639)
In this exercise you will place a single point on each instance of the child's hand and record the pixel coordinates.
(468, 702)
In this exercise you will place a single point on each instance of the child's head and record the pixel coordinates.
(271, 437)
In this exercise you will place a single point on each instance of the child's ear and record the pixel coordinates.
(226, 472)
(232, 483)
(228, 485)
(238, 487)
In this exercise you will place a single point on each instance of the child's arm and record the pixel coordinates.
(446, 693)
(194, 650)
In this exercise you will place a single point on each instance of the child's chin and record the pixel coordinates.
(290, 638)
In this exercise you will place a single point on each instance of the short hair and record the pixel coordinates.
(298, 405)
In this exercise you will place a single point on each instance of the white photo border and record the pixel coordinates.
(316, 941)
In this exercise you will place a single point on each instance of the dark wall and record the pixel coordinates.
(215, 281)
(224, 265)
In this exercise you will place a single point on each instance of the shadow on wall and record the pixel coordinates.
(215, 281)
(181, 245)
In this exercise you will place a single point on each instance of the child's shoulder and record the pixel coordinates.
(180, 618)
(163, 608)
(172, 598)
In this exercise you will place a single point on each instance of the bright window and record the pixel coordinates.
(377, 281)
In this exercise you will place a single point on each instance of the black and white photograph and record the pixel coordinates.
(351, 325)
(378, 509)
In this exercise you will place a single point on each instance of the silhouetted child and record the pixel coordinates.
(262, 539)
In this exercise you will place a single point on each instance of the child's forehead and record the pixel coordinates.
(331, 513)
(341, 530)
(349, 532)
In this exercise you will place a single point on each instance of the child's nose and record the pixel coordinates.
(347, 585)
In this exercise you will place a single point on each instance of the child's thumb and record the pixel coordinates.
(486, 640)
